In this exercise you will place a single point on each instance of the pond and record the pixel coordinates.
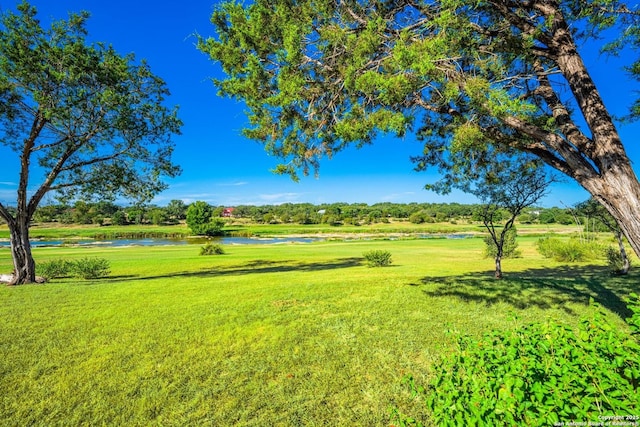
(201, 241)
(166, 241)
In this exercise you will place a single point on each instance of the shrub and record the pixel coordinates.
(212, 249)
(543, 374)
(572, 250)
(91, 268)
(421, 217)
(55, 269)
(634, 320)
(377, 258)
(84, 268)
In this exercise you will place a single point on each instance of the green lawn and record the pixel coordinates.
(292, 334)
(243, 227)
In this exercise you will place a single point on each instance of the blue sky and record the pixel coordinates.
(223, 168)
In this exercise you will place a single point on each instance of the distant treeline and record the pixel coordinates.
(105, 213)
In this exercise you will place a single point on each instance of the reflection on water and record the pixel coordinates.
(199, 241)
(165, 242)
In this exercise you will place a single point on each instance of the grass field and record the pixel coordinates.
(276, 335)
(243, 227)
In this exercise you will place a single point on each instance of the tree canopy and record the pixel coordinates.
(463, 75)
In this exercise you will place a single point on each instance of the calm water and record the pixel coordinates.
(165, 242)
(200, 241)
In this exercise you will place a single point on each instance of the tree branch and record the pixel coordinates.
(6, 215)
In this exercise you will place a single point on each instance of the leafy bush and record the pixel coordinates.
(91, 268)
(55, 269)
(509, 248)
(85, 268)
(377, 258)
(421, 217)
(634, 320)
(572, 250)
(543, 374)
(614, 259)
(212, 249)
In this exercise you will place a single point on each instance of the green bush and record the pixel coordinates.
(377, 258)
(91, 268)
(541, 375)
(212, 249)
(84, 268)
(634, 320)
(571, 250)
(55, 269)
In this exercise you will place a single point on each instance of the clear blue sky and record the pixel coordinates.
(223, 168)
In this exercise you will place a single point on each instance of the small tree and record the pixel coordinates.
(91, 119)
(509, 249)
(201, 221)
(158, 216)
(506, 184)
(119, 218)
(176, 209)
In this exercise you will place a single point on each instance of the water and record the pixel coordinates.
(199, 241)
(166, 242)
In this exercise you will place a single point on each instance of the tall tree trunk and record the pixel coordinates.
(24, 267)
(619, 193)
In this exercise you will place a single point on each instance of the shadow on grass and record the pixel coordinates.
(258, 267)
(540, 287)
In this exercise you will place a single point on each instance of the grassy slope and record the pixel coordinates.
(265, 335)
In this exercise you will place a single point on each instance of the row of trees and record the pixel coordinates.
(107, 213)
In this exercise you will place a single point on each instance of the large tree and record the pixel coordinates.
(594, 210)
(84, 121)
(318, 75)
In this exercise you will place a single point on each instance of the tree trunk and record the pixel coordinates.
(619, 192)
(498, 273)
(24, 267)
(601, 165)
(626, 264)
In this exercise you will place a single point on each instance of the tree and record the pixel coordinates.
(201, 221)
(158, 216)
(176, 209)
(505, 185)
(319, 75)
(136, 214)
(592, 209)
(92, 120)
(119, 218)
(509, 249)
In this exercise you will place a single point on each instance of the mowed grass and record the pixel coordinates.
(275, 335)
